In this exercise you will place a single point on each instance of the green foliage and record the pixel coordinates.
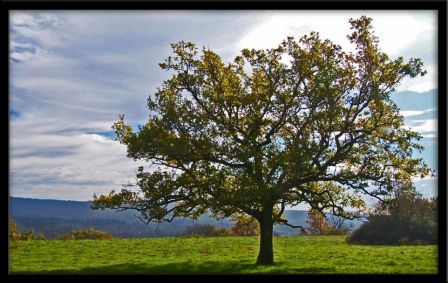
(176, 255)
(255, 135)
(89, 234)
(406, 218)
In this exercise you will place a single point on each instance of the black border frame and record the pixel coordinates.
(439, 5)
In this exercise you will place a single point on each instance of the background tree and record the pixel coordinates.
(406, 217)
(339, 226)
(256, 135)
(245, 226)
(319, 224)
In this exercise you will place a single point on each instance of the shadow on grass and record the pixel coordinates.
(186, 267)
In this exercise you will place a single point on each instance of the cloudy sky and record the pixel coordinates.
(72, 73)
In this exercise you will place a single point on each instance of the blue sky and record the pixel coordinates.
(73, 72)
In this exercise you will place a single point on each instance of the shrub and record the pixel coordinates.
(67, 237)
(15, 234)
(222, 232)
(27, 236)
(206, 230)
(406, 218)
(40, 237)
(390, 229)
(89, 234)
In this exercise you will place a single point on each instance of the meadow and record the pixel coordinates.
(300, 255)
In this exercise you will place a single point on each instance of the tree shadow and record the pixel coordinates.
(185, 267)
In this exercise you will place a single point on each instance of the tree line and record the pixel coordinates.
(405, 218)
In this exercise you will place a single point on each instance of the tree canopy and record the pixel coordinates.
(305, 122)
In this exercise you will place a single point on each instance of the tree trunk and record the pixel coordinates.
(266, 253)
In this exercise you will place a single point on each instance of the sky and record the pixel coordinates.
(73, 72)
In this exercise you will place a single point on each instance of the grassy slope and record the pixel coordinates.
(324, 254)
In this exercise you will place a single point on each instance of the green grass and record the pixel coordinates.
(310, 254)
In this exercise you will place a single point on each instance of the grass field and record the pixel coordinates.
(310, 254)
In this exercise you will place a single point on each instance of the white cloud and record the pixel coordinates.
(401, 33)
(419, 83)
(394, 29)
(427, 186)
(433, 177)
(430, 135)
(78, 70)
(22, 56)
(410, 113)
(61, 164)
(427, 128)
(424, 126)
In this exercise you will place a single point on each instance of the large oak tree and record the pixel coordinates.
(305, 122)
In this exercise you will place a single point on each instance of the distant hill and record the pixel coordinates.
(54, 218)
(44, 208)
